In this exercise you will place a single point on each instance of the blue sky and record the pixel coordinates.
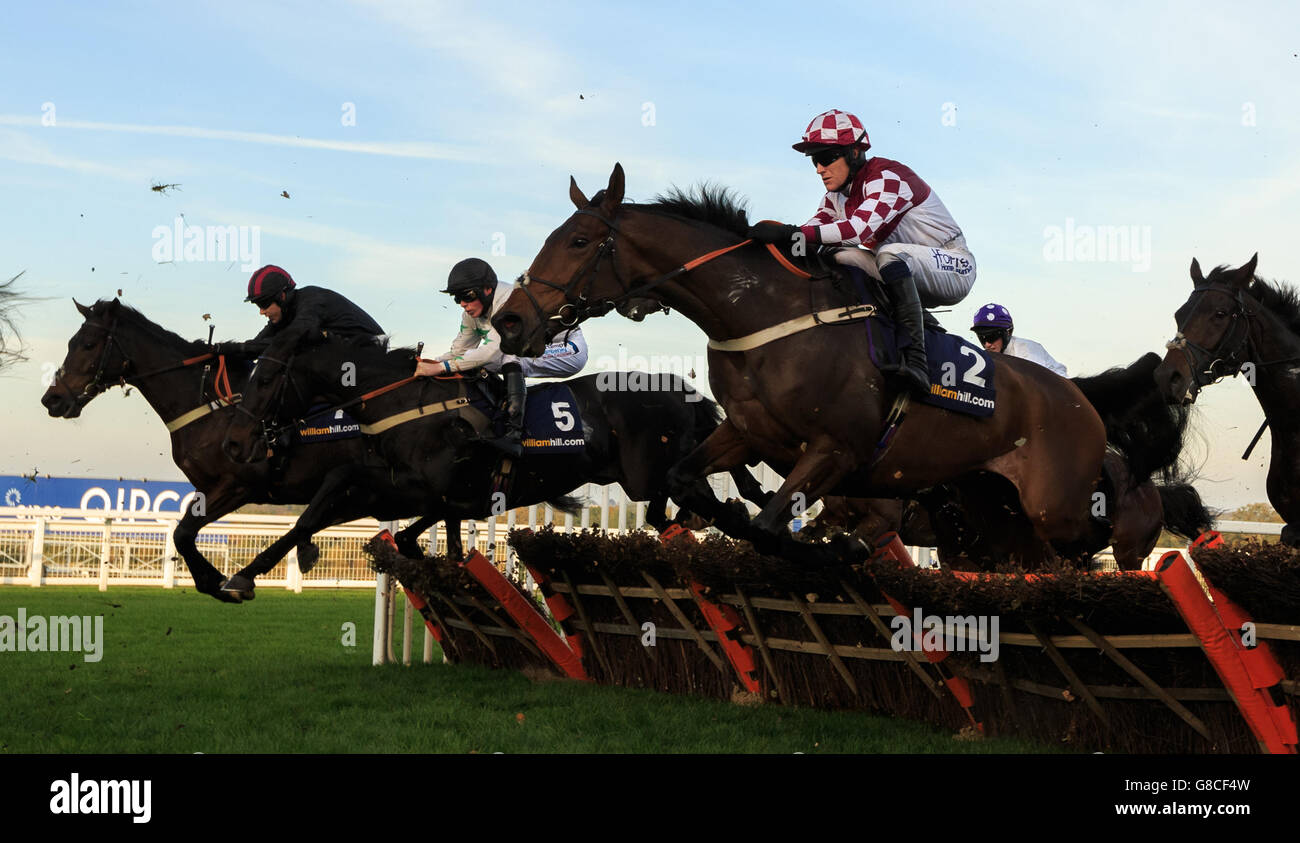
(1179, 119)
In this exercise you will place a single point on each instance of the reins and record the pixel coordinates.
(576, 307)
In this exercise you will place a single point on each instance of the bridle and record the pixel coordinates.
(1205, 363)
(98, 384)
(270, 431)
(577, 307)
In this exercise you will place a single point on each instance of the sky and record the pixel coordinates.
(409, 135)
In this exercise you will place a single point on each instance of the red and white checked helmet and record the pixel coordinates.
(833, 128)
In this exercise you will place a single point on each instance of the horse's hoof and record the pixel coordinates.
(1290, 536)
(411, 550)
(308, 555)
(240, 587)
(223, 596)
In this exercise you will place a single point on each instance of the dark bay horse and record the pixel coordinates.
(181, 381)
(1235, 322)
(427, 437)
(808, 402)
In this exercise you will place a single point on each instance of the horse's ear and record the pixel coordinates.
(1197, 278)
(614, 193)
(82, 309)
(1245, 276)
(576, 196)
(114, 306)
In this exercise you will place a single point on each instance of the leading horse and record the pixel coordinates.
(807, 400)
(1235, 322)
(193, 389)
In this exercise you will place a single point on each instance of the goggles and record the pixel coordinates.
(461, 296)
(987, 337)
(826, 157)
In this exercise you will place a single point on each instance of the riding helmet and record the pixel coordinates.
(267, 283)
(471, 274)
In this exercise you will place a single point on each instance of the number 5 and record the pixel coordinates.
(563, 418)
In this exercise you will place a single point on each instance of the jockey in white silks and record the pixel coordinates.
(474, 286)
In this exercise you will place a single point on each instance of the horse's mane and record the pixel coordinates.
(1149, 432)
(707, 203)
(1282, 299)
(152, 329)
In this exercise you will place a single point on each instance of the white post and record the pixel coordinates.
(407, 611)
(640, 515)
(379, 648)
(428, 646)
(604, 509)
(292, 573)
(105, 550)
(586, 510)
(38, 552)
(169, 561)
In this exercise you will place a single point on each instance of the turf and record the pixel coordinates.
(182, 673)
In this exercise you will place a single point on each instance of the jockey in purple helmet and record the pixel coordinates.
(879, 204)
(993, 326)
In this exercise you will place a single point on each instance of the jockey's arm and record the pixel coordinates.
(880, 206)
(563, 357)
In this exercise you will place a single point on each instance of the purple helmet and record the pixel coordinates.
(992, 316)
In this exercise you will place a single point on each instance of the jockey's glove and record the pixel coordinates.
(774, 232)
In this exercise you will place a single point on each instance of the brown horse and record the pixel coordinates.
(1235, 322)
(808, 402)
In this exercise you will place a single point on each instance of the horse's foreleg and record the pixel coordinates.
(818, 471)
(455, 548)
(203, 511)
(408, 538)
(723, 450)
(1138, 521)
(320, 513)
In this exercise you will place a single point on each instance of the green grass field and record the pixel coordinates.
(182, 673)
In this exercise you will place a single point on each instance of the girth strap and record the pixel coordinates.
(411, 415)
(793, 326)
(199, 412)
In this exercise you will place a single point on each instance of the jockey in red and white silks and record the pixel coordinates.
(888, 208)
(919, 252)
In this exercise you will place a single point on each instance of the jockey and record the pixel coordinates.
(993, 326)
(474, 286)
(294, 313)
(882, 205)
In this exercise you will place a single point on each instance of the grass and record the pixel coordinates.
(182, 673)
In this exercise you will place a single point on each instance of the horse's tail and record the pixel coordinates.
(1184, 512)
(1147, 431)
(708, 415)
(568, 504)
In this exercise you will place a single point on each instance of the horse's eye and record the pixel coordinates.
(1219, 314)
(579, 242)
(88, 346)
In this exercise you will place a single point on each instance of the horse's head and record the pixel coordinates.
(289, 380)
(1213, 338)
(573, 277)
(273, 391)
(95, 361)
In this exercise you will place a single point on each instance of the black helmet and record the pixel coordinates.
(471, 274)
(267, 283)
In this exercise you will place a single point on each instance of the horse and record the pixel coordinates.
(117, 345)
(800, 395)
(427, 433)
(1235, 322)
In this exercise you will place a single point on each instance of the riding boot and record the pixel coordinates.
(516, 399)
(909, 319)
